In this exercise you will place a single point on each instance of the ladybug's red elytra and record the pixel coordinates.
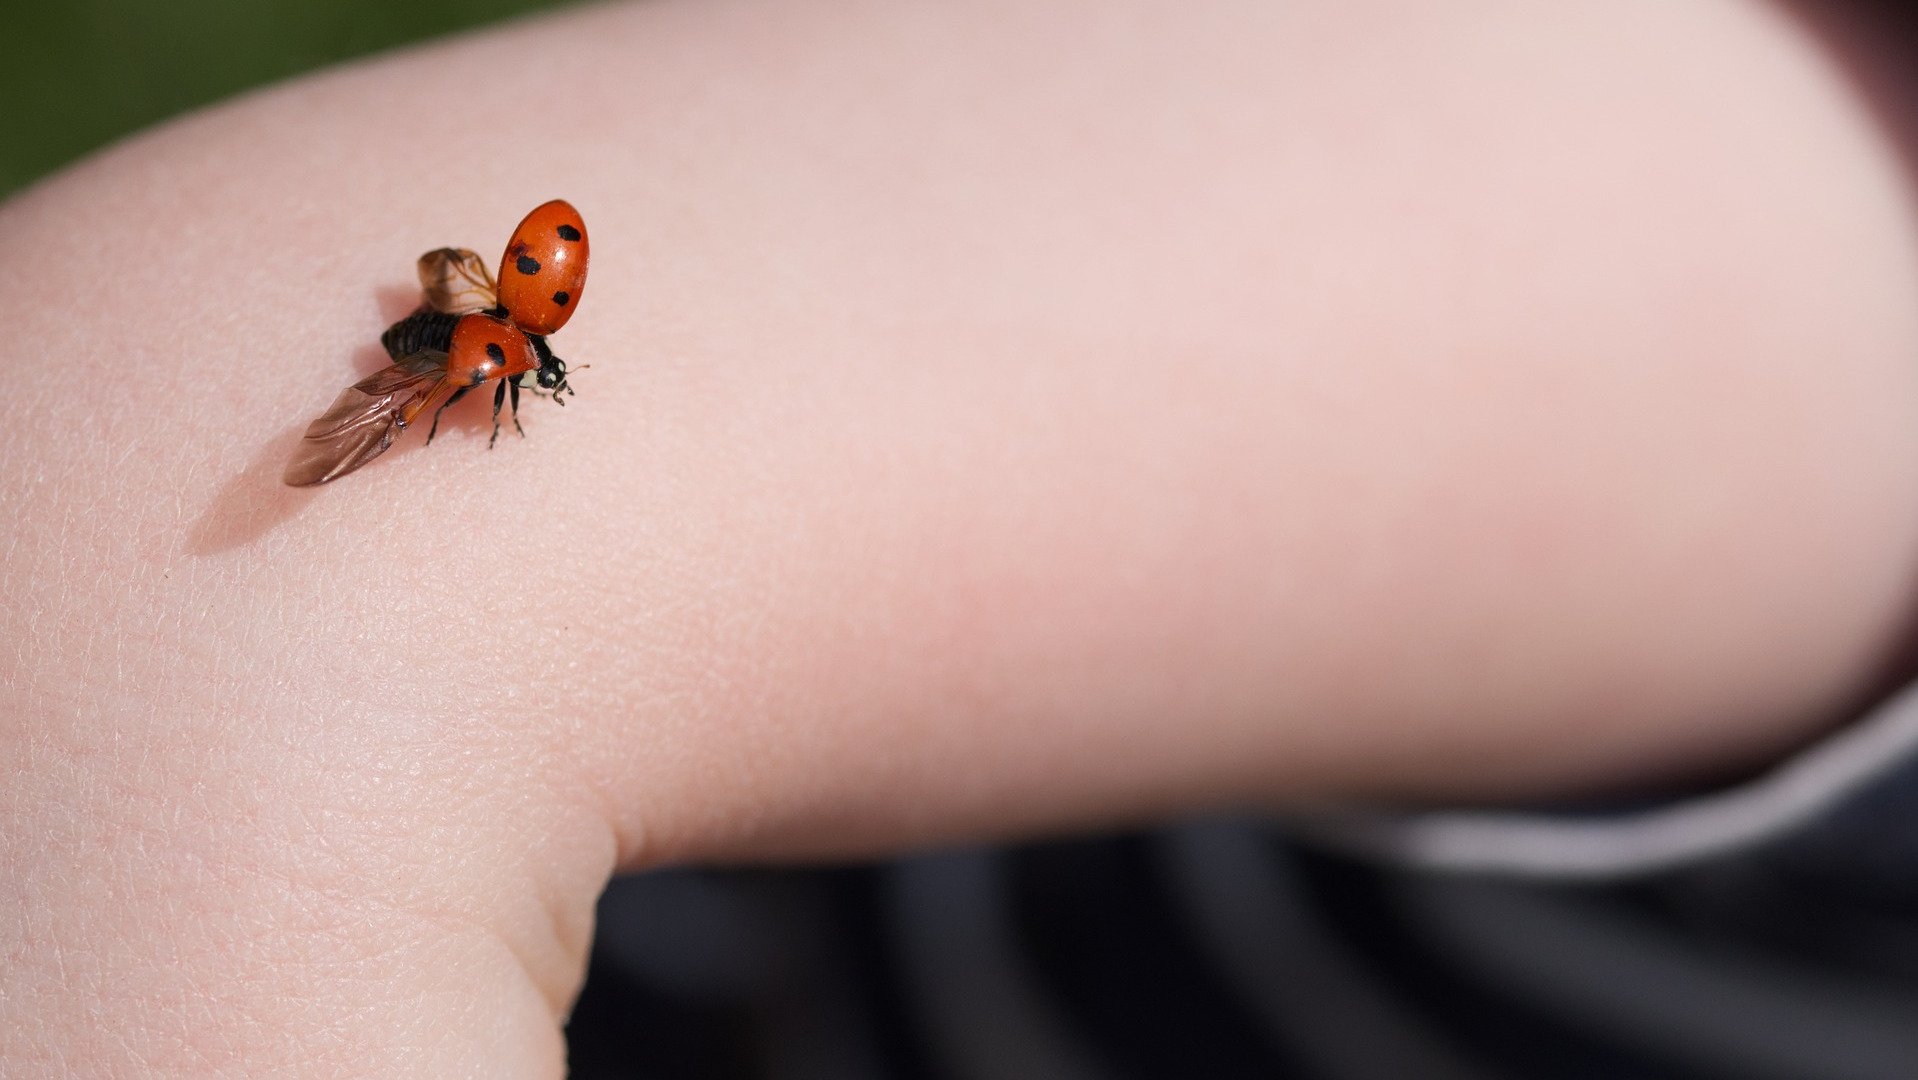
(543, 271)
(467, 331)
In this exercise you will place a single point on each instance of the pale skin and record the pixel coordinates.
(1001, 419)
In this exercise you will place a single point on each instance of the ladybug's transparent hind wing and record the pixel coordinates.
(362, 421)
(456, 281)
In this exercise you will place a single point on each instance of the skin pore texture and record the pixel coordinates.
(1001, 418)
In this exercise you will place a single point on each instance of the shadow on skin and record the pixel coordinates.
(396, 302)
(253, 503)
(256, 501)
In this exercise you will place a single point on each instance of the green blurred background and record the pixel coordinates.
(80, 73)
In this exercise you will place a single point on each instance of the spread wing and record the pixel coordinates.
(362, 421)
(455, 281)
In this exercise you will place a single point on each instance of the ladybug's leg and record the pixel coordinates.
(499, 398)
(457, 394)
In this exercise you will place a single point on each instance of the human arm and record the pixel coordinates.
(1000, 419)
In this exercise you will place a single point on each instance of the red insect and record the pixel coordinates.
(467, 332)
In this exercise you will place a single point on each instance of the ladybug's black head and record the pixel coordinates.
(551, 376)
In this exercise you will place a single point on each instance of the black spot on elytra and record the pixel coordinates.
(527, 265)
(560, 298)
(494, 353)
(567, 232)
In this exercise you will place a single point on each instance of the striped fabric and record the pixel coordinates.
(1768, 931)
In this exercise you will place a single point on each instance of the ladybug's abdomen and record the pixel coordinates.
(424, 329)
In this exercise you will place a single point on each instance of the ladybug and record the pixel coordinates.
(467, 331)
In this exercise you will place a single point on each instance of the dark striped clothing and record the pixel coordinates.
(1768, 931)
